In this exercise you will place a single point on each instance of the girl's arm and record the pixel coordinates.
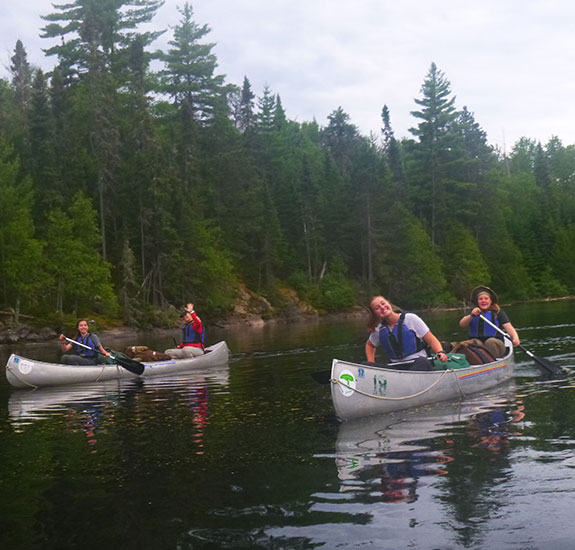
(369, 351)
(510, 329)
(65, 345)
(435, 346)
(465, 321)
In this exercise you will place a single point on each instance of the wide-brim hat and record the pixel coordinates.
(480, 290)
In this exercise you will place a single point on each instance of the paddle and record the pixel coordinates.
(129, 364)
(545, 366)
(324, 376)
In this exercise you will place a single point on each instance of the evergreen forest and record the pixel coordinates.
(133, 180)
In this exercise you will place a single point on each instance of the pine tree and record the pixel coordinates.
(43, 149)
(246, 117)
(22, 91)
(437, 145)
(98, 53)
(340, 137)
(392, 152)
(82, 278)
(189, 77)
(21, 79)
(20, 286)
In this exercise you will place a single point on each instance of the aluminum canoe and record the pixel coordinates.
(359, 390)
(30, 373)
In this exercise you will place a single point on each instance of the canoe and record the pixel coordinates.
(30, 373)
(361, 390)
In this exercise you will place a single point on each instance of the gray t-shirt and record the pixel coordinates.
(412, 322)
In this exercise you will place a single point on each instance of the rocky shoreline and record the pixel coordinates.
(251, 311)
(11, 334)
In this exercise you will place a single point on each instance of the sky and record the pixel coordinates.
(510, 62)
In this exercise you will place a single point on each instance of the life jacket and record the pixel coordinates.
(87, 341)
(190, 336)
(400, 341)
(478, 328)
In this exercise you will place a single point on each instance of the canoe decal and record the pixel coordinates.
(487, 370)
(379, 384)
(347, 383)
(25, 367)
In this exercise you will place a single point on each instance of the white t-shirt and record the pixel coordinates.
(412, 322)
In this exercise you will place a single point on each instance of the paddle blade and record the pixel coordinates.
(321, 376)
(549, 368)
(129, 364)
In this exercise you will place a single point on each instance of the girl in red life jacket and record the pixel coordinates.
(193, 333)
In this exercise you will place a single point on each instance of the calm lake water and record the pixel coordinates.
(250, 454)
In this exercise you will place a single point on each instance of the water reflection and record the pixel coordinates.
(87, 406)
(389, 458)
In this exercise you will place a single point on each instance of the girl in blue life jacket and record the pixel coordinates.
(485, 301)
(403, 336)
(81, 355)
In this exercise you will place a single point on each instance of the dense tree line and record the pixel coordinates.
(127, 189)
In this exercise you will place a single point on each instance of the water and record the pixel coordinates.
(250, 454)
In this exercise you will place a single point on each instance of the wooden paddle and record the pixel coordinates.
(545, 366)
(129, 364)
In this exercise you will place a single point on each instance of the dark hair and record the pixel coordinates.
(373, 320)
(87, 321)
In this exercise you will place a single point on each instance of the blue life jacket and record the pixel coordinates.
(400, 341)
(87, 342)
(478, 328)
(190, 336)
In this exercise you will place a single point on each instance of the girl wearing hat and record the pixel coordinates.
(193, 333)
(485, 301)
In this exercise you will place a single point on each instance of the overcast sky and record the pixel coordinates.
(511, 62)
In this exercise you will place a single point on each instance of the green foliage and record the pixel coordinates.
(563, 260)
(202, 270)
(415, 270)
(337, 292)
(82, 278)
(22, 274)
(465, 266)
(149, 190)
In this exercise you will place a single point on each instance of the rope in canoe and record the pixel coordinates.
(15, 374)
(382, 397)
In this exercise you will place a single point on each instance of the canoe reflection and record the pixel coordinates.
(390, 457)
(90, 400)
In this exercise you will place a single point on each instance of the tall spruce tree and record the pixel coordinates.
(392, 152)
(436, 149)
(189, 79)
(97, 51)
(246, 116)
(43, 148)
(22, 92)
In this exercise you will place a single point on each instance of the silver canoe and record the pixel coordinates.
(29, 373)
(360, 390)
